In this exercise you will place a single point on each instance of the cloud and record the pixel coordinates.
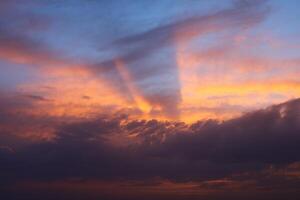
(148, 58)
(253, 137)
(243, 14)
(110, 151)
(137, 51)
(17, 44)
(36, 97)
(113, 148)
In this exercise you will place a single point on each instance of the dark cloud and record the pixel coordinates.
(265, 136)
(19, 122)
(86, 97)
(36, 97)
(117, 149)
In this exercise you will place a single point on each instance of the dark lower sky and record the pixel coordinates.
(162, 99)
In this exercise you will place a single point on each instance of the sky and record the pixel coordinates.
(163, 99)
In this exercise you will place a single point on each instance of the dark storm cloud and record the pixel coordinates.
(175, 151)
(265, 136)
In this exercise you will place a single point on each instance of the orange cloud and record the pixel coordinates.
(222, 83)
(140, 102)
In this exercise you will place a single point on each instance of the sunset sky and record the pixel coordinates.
(140, 99)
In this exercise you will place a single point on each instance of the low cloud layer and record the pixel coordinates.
(113, 149)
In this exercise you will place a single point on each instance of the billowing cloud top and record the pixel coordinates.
(149, 98)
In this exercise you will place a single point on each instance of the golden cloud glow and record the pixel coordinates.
(140, 102)
(216, 85)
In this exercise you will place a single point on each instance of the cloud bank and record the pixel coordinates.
(115, 149)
